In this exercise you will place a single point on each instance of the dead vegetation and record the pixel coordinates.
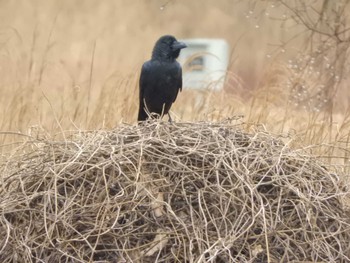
(159, 192)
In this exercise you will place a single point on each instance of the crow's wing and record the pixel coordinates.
(178, 80)
(143, 83)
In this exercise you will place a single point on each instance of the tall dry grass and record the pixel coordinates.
(73, 65)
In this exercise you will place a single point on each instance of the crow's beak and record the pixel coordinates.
(179, 45)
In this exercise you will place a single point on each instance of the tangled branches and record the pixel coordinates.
(187, 192)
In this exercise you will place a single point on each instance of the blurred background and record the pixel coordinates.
(75, 64)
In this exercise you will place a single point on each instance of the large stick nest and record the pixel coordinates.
(159, 192)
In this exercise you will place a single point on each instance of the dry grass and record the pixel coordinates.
(74, 65)
(192, 191)
(187, 192)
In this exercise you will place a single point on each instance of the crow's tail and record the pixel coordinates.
(142, 114)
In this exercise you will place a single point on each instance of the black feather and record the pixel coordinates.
(161, 78)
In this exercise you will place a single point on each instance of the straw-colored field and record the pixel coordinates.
(75, 65)
(257, 172)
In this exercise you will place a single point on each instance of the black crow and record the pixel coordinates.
(161, 78)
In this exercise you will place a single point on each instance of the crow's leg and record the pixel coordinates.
(170, 119)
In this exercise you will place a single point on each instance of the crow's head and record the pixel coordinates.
(167, 48)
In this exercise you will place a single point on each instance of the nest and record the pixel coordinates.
(159, 192)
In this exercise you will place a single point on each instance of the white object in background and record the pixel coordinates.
(204, 63)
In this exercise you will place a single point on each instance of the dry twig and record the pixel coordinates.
(159, 192)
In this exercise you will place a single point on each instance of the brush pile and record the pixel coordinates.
(159, 192)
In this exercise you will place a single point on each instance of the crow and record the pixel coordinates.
(161, 78)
